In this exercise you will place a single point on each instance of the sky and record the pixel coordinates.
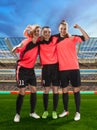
(15, 15)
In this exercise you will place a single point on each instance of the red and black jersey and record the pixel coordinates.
(67, 56)
(28, 54)
(48, 52)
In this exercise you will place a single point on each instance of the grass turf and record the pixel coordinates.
(87, 122)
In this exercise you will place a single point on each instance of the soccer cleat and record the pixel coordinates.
(77, 116)
(64, 113)
(54, 115)
(34, 115)
(17, 118)
(45, 115)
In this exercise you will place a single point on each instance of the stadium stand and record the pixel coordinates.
(87, 56)
(15, 40)
(87, 52)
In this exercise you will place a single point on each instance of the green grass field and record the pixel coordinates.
(88, 114)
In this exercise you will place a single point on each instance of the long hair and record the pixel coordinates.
(30, 29)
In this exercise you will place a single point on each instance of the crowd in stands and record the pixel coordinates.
(89, 77)
(8, 86)
(11, 77)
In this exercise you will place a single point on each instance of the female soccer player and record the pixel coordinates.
(49, 61)
(25, 75)
(68, 65)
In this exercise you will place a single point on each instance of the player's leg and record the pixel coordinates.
(45, 102)
(55, 101)
(22, 86)
(76, 82)
(33, 96)
(33, 101)
(46, 82)
(19, 103)
(55, 87)
(77, 103)
(65, 98)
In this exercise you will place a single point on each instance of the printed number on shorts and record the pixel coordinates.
(21, 82)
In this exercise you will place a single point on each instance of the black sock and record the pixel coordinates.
(19, 103)
(45, 101)
(77, 101)
(65, 101)
(33, 99)
(55, 101)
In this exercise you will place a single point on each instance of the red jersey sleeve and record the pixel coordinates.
(77, 39)
(24, 42)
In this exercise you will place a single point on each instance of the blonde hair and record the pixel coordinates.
(30, 29)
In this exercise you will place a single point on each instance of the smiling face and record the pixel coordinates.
(46, 33)
(37, 32)
(63, 29)
(32, 31)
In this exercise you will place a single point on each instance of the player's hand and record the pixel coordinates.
(76, 26)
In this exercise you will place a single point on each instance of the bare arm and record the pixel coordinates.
(82, 31)
(16, 47)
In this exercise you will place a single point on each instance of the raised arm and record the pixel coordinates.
(82, 31)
